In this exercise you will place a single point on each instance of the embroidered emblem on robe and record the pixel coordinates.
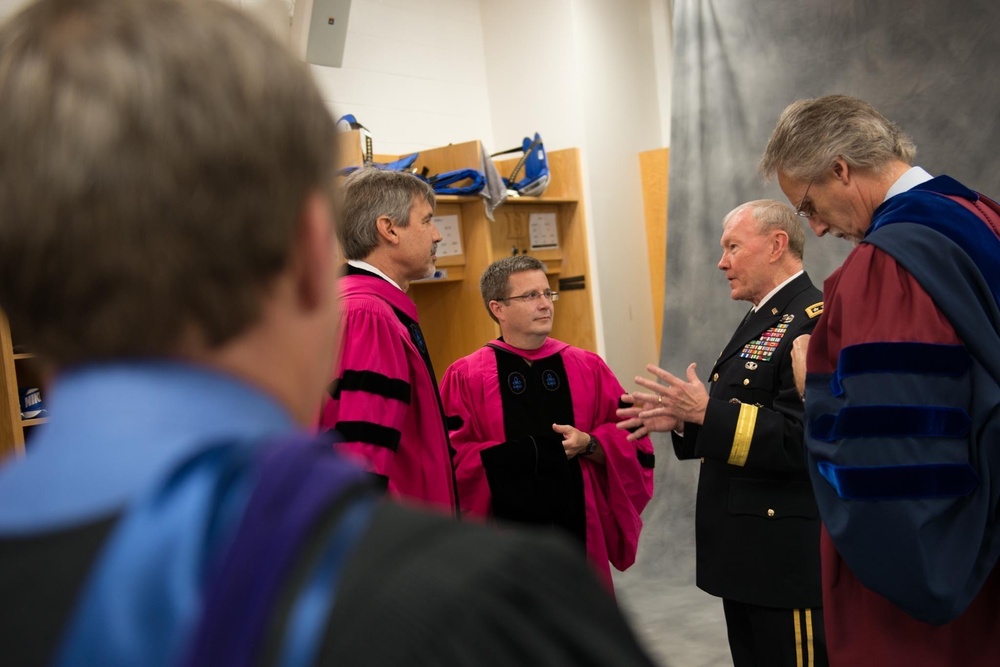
(550, 380)
(418, 337)
(516, 383)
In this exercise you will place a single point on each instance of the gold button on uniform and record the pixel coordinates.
(715, 378)
(770, 512)
(746, 381)
(703, 459)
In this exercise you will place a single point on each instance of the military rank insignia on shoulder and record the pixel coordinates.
(815, 310)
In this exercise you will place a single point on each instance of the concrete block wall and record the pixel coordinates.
(413, 74)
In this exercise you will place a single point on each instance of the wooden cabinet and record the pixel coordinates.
(452, 313)
(19, 369)
(654, 166)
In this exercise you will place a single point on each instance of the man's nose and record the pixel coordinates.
(819, 228)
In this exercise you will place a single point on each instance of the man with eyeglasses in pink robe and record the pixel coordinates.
(533, 427)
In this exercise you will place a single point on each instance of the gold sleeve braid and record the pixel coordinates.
(744, 434)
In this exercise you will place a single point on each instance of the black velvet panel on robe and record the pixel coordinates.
(531, 480)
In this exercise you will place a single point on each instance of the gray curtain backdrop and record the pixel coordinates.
(926, 64)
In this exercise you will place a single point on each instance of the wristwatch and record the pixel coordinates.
(591, 446)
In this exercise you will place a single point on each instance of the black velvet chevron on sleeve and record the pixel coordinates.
(372, 383)
(370, 433)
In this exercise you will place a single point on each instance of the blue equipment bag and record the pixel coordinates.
(536, 168)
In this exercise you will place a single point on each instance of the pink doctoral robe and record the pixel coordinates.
(474, 391)
(384, 399)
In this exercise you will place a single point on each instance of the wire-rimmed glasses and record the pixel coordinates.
(532, 297)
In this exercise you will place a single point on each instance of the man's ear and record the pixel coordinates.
(387, 229)
(496, 308)
(779, 243)
(842, 171)
(314, 255)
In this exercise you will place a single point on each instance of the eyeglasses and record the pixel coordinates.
(532, 297)
(801, 210)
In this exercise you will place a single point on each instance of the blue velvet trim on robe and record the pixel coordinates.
(919, 358)
(895, 482)
(928, 205)
(897, 421)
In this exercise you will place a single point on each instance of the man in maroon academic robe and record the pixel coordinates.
(902, 391)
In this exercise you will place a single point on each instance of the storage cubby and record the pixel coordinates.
(19, 369)
(452, 313)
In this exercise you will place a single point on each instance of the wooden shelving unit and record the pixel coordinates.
(452, 313)
(18, 370)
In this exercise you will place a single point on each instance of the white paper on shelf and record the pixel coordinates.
(451, 235)
(543, 230)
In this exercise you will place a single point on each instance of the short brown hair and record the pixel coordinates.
(812, 133)
(155, 156)
(495, 281)
(369, 193)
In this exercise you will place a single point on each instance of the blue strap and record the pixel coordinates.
(311, 610)
(535, 164)
(891, 421)
(897, 482)
(194, 571)
(300, 482)
(444, 184)
(402, 164)
(352, 123)
(138, 605)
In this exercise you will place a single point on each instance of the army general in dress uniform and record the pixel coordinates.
(757, 526)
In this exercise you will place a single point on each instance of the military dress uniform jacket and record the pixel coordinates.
(757, 525)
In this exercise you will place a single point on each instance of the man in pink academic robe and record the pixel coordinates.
(383, 400)
(534, 427)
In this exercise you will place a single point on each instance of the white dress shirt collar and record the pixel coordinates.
(360, 264)
(910, 179)
(776, 290)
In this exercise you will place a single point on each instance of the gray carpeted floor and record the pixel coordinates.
(680, 625)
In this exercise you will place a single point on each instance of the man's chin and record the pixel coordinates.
(844, 236)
